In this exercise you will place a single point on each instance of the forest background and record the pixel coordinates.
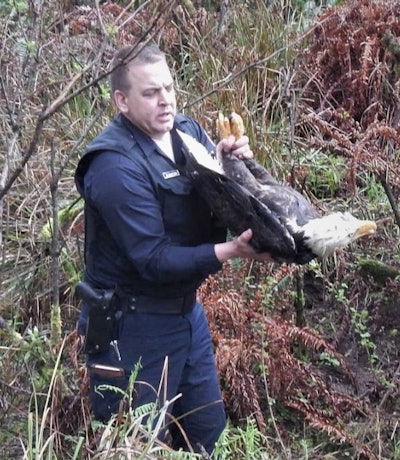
(308, 356)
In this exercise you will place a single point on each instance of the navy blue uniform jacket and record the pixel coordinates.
(147, 230)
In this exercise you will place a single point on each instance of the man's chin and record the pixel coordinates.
(167, 126)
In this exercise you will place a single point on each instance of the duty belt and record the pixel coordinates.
(154, 305)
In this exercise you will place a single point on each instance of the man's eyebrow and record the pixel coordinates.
(156, 86)
(152, 87)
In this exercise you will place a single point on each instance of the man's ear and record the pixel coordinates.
(120, 101)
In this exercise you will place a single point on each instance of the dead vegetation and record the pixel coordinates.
(265, 360)
(309, 353)
(348, 77)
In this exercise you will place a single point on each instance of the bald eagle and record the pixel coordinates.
(242, 194)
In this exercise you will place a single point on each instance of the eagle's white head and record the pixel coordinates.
(326, 234)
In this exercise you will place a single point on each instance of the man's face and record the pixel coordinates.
(150, 103)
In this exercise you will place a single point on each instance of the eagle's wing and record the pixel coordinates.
(290, 206)
(237, 209)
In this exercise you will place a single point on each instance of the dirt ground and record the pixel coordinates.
(367, 334)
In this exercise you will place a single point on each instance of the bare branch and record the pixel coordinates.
(392, 201)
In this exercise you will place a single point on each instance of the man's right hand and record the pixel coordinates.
(240, 247)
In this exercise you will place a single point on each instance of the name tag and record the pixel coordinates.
(170, 174)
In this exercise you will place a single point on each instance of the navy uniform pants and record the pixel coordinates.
(186, 341)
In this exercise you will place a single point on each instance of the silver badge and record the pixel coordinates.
(170, 174)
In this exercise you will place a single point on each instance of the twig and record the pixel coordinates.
(273, 418)
(391, 199)
(299, 301)
(31, 149)
(256, 63)
(68, 94)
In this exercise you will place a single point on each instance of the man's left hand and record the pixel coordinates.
(239, 147)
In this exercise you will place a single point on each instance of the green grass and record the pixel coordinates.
(247, 66)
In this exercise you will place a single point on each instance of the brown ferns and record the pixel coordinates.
(350, 70)
(256, 358)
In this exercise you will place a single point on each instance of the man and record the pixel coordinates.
(153, 240)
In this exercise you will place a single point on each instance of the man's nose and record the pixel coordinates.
(165, 96)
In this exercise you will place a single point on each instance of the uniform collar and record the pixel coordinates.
(147, 144)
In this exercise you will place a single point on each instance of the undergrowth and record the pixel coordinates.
(307, 356)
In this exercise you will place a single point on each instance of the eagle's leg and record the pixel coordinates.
(259, 172)
(236, 169)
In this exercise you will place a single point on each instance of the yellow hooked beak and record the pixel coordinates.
(367, 227)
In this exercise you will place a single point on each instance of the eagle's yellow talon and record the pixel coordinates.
(223, 126)
(237, 125)
(233, 125)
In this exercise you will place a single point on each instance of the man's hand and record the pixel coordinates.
(233, 139)
(240, 247)
(239, 147)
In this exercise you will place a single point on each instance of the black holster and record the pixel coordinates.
(102, 327)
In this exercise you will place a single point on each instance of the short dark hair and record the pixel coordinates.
(124, 57)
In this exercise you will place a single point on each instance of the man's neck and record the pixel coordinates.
(165, 144)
